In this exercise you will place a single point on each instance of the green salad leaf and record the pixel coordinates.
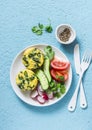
(49, 52)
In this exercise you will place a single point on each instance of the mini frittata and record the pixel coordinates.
(26, 80)
(33, 58)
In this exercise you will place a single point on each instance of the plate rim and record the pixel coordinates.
(40, 105)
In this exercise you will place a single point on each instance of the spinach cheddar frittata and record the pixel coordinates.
(26, 80)
(33, 58)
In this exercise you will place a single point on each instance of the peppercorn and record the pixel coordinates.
(65, 35)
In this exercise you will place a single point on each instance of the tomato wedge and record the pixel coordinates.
(59, 76)
(59, 65)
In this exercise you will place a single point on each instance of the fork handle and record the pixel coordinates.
(73, 101)
(83, 101)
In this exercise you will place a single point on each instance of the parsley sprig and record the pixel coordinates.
(58, 89)
(40, 28)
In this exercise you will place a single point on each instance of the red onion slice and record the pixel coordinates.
(40, 90)
(44, 95)
(50, 95)
(34, 94)
(40, 99)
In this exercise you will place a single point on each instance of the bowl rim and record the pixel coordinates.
(71, 29)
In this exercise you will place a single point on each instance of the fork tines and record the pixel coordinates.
(87, 56)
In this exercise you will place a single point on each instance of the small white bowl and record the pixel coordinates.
(60, 28)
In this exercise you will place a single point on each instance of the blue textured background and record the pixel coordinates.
(16, 20)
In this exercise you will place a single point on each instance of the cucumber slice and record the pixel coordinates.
(46, 68)
(43, 79)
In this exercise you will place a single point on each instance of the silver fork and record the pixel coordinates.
(84, 65)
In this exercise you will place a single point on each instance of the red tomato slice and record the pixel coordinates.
(59, 65)
(62, 73)
(56, 75)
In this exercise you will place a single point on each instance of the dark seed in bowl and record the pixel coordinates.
(65, 35)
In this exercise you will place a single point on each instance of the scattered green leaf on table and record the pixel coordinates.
(41, 26)
(48, 29)
(38, 30)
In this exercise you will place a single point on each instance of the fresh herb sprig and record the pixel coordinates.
(49, 28)
(40, 28)
(58, 89)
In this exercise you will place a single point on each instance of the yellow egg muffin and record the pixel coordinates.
(33, 58)
(26, 80)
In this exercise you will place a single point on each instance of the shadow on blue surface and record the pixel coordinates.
(70, 47)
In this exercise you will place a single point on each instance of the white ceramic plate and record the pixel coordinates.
(18, 66)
